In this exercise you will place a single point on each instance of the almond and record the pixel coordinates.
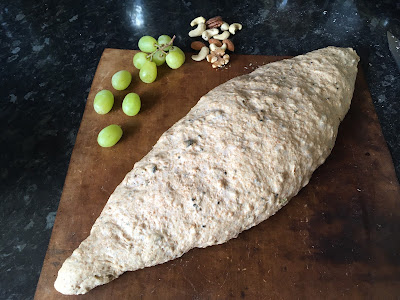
(229, 45)
(216, 42)
(197, 45)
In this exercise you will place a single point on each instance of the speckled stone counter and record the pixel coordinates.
(49, 53)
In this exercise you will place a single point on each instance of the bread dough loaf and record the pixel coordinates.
(239, 155)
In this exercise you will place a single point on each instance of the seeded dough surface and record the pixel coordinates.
(243, 151)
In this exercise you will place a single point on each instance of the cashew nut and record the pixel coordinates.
(224, 26)
(222, 36)
(209, 33)
(197, 21)
(202, 54)
(214, 47)
(234, 27)
(198, 30)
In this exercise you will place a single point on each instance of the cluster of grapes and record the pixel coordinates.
(154, 54)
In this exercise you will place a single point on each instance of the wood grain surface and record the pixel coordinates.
(338, 238)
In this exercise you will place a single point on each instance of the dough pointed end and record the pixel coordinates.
(68, 281)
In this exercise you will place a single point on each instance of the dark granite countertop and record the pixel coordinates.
(49, 53)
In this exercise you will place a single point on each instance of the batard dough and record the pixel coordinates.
(235, 159)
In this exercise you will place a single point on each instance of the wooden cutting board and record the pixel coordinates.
(338, 238)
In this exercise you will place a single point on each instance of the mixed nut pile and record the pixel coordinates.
(218, 41)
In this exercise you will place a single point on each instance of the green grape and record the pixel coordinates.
(175, 48)
(103, 102)
(148, 72)
(175, 58)
(109, 135)
(139, 59)
(159, 58)
(163, 40)
(121, 80)
(131, 104)
(147, 44)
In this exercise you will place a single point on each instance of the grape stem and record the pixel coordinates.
(161, 48)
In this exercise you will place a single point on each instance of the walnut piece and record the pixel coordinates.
(221, 61)
(218, 58)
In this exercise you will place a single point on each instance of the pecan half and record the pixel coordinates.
(214, 22)
(216, 18)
